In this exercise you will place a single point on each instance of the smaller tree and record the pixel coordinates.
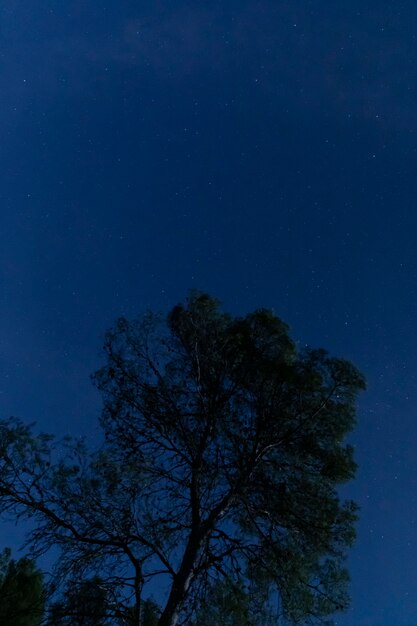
(21, 592)
(92, 603)
(151, 613)
(82, 604)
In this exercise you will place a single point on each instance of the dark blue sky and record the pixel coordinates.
(263, 151)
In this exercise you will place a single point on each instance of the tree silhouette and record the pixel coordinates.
(21, 592)
(222, 457)
(82, 604)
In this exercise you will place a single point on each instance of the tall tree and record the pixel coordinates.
(224, 448)
(21, 592)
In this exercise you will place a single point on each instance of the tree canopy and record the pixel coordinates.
(224, 449)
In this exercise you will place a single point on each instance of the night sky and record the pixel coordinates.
(263, 151)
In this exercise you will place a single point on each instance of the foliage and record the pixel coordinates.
(224, 448)
(232, 603)
(21, 592)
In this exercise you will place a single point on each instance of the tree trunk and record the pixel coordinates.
(182, 582)
(136, 616)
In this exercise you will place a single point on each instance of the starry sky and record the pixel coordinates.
(262, 151)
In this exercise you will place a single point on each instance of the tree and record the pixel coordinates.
(21, 592)
(83, 604)
(224, 448)
(90, 602)
(151, 613)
